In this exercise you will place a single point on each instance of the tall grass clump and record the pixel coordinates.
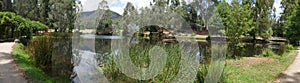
(268, 53)
(139, 55)
(52, 53)
(32, 73)
(41, 49)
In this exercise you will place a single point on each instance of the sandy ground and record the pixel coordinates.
(9, 72)
(292, 73)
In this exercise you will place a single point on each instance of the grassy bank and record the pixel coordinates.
(32, 73)
(243, 71)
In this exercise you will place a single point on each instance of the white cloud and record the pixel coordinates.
(119, 10)
(90, 5)
(277, 5)
(137, 4)
(115, 5)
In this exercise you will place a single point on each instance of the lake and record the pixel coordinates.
(89, 58)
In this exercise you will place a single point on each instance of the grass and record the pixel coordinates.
(140, 57)
(24, 61)
(261, 73)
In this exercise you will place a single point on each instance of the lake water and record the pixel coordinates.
(87, 59)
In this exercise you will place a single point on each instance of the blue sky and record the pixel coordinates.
(119, 5)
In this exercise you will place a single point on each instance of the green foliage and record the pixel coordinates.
(60, 15)
(28, 9)
(237, 19)
(57, 14)
(262, 12)
(19, 26)
(293, 31)
(267, 53)
(289, 47)
(289, 7)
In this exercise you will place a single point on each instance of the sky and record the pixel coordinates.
(119, 5)
(115, 5)
(277, 6)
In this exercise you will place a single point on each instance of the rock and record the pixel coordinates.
(17, 41)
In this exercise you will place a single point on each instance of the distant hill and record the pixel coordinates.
(90, 15)
(88, 18)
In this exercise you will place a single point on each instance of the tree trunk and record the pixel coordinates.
(7, 5)
(254, 38)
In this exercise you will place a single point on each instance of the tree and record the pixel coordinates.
(206, 9)
(27, 8)
(129, 9)
(5, 5)
(63, 15)
(288, 6)
(238, 21)
(45, 11)
(104, 26)
(293, 30)
(237, 18)
(262, 11)
(18, 26)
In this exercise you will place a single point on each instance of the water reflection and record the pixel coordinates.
(93, 51)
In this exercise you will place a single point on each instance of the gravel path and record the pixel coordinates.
(9, 72)
(292, 73)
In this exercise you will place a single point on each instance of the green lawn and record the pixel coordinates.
(261, 73)
(26, 64)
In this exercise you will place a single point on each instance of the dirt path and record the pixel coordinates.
(9, 73)
(292, 73)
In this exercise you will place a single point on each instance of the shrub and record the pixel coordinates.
(268, 53)
(18, 25)
(289, 47)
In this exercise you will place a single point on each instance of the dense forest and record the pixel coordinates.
(56, 14)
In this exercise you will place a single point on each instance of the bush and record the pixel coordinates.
(289, 47)
(268, 53)
(18, 25)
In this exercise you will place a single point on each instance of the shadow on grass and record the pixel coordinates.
(295, 78)
(6, 40)
(5, 56)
